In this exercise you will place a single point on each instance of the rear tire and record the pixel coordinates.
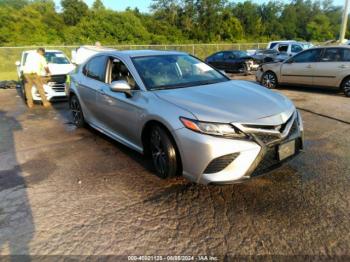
(77, 112)
(163, 153)
(269, 80)
(346, 86)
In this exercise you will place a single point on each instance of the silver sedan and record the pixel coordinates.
(189, 118)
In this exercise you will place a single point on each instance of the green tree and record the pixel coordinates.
(319, 28)
(73, 11)
(98, 5)
(17, 4)
(250, 18)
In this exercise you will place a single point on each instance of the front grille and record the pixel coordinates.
(220, 163)
(271, 160)
(267, 138)
(58, 78)
(58, 89)
(57, 83)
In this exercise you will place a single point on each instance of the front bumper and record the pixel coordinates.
(52, 92)
(250, 157)
(258, 75)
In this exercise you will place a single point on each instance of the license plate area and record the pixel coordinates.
(286, 150)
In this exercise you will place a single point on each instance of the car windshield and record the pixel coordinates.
(175, 71)
(307, 45)
(56, 58)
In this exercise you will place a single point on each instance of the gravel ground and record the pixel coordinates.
(69, 191)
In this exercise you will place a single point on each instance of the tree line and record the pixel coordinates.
(35, 22)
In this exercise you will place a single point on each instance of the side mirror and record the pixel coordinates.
(18, 63)
(121, 86)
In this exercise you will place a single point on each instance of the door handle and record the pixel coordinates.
(309, 66)
(343, 66)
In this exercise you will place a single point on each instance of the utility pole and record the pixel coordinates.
(344, 22)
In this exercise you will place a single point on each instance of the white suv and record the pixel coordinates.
(289, 48)
(59, 65)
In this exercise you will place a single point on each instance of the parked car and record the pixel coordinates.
(265, 55)
(59, 66)
(290, 48)
(232, 61)
(272, 44)
(318, 66)
(187, 116)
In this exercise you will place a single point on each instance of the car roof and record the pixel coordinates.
(140, 53)
(282, 41)
(330, 46)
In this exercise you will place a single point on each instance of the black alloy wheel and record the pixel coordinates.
(163, 153)
(269, 80)
(77, 113)
(346, 87)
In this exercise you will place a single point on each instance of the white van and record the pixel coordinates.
(83, 53)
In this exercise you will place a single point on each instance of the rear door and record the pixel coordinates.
(217, 60)
(333, 66)
(300, 68)
(230, 61)
(93, 79)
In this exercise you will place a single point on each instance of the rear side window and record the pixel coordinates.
(296, 48)
(332, 55)
(307, 56)
(346, 55)
(218, 56)
(283, 48)
(96, 68)
(273, 44)
(229, 55)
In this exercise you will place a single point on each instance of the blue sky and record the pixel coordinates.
(143, 5)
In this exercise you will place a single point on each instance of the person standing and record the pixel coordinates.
(34, 68)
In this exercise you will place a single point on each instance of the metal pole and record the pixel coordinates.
(344, 22)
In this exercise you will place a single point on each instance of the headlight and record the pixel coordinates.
(216, 129)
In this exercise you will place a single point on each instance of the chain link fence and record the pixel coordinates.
(9, 55)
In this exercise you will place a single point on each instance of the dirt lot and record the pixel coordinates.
(69, 191)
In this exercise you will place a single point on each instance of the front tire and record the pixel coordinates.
(346, 86)
(77, 112)
(163, 153)
(269, 80)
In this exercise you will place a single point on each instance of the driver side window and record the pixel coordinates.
(119, 71)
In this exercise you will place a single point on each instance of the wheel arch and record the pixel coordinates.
(342, 81)
(272, 72)
(145, 134)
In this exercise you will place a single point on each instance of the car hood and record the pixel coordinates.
(61, 69)
(232, 101)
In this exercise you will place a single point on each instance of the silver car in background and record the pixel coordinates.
(327, 66)
(189, 118)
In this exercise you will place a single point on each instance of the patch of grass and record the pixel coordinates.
(11, 75)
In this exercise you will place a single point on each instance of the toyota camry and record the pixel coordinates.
(188, 117)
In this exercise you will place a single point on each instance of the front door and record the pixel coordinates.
(300, 68)
(121, 114)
